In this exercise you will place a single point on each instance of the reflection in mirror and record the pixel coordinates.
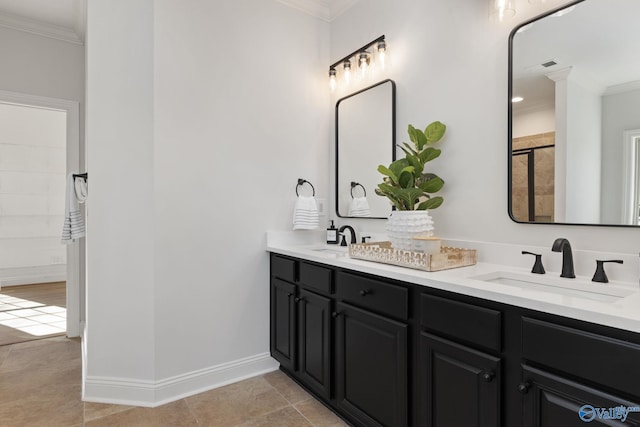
(365, 138)
(574, 115)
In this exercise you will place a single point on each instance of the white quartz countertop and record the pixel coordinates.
(623, 313)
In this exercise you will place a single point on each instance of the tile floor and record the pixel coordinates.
(40, 386)
(32, 311)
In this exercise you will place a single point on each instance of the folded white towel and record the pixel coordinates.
(73, 227)
(305, 214)
(359, 207)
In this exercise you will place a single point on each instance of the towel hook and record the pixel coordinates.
(302, 182)
(357, 184)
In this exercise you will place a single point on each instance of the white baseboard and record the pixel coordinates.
(124, 391)
(31, 275)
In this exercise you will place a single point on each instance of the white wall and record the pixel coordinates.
(584, 134)
(32, 188)
(533, 122)
(201, 117)
(41, 66)
(451, 65)
(120, 329)
(619, 114)
(237, 122)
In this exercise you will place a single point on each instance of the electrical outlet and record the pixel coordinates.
(322, 204)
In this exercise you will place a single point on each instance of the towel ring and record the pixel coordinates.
(84, 176)
(357, 184)
(302, 182)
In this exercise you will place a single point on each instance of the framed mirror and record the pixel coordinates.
(365, 138)
(574, 116)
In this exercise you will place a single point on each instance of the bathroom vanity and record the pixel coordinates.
(389, 346)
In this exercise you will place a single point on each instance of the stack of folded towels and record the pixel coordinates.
(305, 214)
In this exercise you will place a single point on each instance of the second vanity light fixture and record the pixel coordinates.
(359, 61)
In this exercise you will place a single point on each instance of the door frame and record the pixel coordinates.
(74, 260)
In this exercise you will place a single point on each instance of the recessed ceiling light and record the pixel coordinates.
(517, 99)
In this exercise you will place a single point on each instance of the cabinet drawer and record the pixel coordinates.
(466, 322)
(373, 294)
(315, 277)
(597, 358)
(283, 268)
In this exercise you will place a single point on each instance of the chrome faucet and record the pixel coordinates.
(341, 232)
(563, 245)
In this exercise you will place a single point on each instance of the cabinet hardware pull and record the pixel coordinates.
(524, 387)
(335, 314)
(488, 376)
(364, 292)
(298, 299)
(289, 295)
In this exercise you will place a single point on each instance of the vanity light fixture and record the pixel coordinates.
(363, 60)
(500, 10)
(347, 71)
(332, 78)
(382, 53)
(517, 99)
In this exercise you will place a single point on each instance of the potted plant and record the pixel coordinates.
(409, 187)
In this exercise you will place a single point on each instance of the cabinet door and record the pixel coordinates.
(371, 367)
(314, 314)
(283, 323)
(552, 401)
(460, 386)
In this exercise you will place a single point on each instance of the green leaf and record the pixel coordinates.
(429, 154)
(432, 203)
(409, 152)
(406, 179)
(434, 132)
(409, 197)
(415, 162)
(388, 172)
(417, 137)
(408, 147)
(398, 166)
(432, 185)
(412, 134)
(390, 193)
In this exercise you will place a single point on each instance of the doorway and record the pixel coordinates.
(66, 112)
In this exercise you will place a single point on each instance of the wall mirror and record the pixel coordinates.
(365, 138)
(574, 115)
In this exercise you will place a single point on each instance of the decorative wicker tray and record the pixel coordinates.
(448, 257)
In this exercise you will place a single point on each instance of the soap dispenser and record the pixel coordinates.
(332, 234)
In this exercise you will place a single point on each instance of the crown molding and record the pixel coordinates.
(327, 10)
(39, 28)
(622, 88)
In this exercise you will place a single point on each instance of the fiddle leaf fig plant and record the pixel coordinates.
(405, 182)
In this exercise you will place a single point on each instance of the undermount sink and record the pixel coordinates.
(557, 285)
(332, 251)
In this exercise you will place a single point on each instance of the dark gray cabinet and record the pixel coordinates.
(283, 323)
(371, 367)
(314, 338)
(461, 386)
(301, 330)
(386, 353)
(551, 400)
